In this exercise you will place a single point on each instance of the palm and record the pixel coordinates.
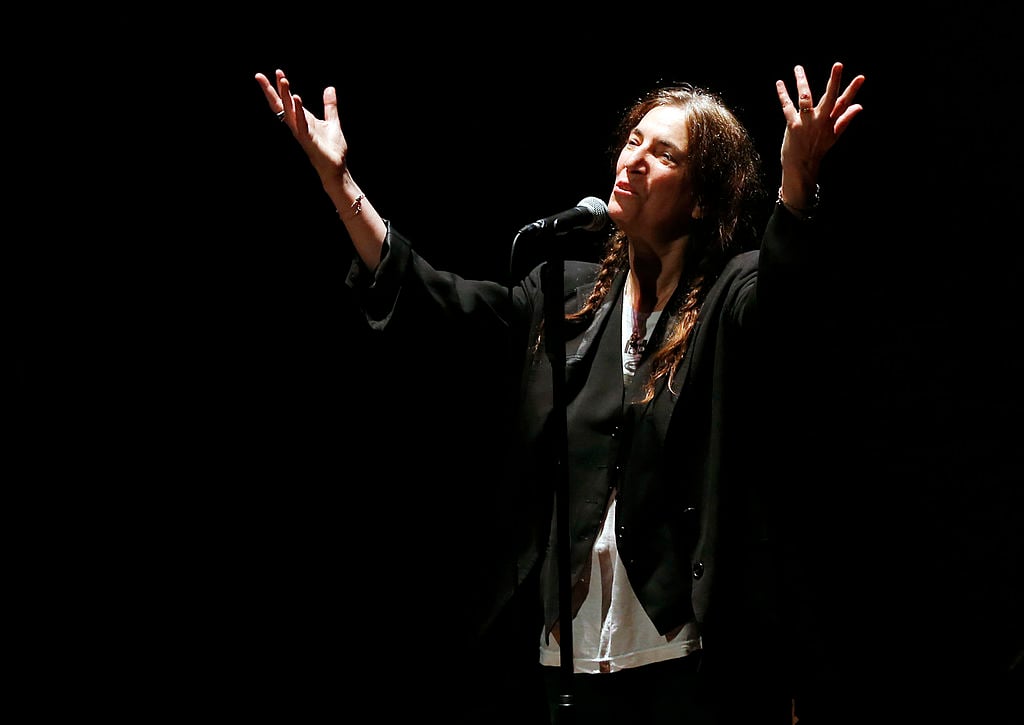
(324, 142)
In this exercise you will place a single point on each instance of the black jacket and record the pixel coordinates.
(693, 467)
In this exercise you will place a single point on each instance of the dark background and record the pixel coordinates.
(249, 480)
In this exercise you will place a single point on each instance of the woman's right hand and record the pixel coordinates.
(326, 147)
(322, 140)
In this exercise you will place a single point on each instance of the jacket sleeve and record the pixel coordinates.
(792, 265)
(406, 287)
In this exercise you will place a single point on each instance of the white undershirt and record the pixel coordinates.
(611, 630)
(631, 319)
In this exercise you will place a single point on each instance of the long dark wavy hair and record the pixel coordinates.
(725, 169)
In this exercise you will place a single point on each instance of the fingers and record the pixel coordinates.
(301, 126)
(844, 119)
(833, 104)
(840, 105)
(835, 77)
(844, 101)
(845, 109)
(805, 102)
(284, 90)
(784, 99)
(273, 100)
(803, 89)
(289, 104)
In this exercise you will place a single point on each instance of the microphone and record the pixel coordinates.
(590, 215)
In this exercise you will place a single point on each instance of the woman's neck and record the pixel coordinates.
(654, 277)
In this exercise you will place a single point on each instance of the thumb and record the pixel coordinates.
(330, 104)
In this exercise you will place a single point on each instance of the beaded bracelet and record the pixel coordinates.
(803, 213)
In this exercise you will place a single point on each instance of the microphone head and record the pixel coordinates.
(598, 210)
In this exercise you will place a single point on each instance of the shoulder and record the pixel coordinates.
(578, 274)
(740, 265)
(739, 272)
(575, 275)
(734, 285)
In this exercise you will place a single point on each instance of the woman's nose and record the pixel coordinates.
(633, 160)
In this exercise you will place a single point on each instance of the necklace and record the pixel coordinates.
(637, 342)
(637, 324)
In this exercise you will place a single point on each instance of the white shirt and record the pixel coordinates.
(611, 630)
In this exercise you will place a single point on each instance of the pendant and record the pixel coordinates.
(636, 343)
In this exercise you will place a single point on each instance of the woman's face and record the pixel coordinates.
(652, 199)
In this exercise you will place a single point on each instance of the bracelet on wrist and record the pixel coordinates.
(806, 212)
(356, 208)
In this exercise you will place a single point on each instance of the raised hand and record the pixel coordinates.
(321, 139)
(811, 130)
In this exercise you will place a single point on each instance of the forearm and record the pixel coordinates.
(364, 225)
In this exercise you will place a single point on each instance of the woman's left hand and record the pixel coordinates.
(811, 130)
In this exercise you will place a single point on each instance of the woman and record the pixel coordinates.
(668, 343)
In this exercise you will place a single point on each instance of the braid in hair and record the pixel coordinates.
(726, 177)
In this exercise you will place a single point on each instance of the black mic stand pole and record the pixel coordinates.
(552, 284)
(552, 276)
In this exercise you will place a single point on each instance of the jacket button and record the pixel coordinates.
(698, 569)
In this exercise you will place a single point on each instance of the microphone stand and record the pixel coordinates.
(552, 275)
(552, 284)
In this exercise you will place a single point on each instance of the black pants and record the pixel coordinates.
(657, 694)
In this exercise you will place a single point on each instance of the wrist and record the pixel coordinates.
(806, 209)
(352, 210)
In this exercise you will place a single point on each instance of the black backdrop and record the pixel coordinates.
(275, 489)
